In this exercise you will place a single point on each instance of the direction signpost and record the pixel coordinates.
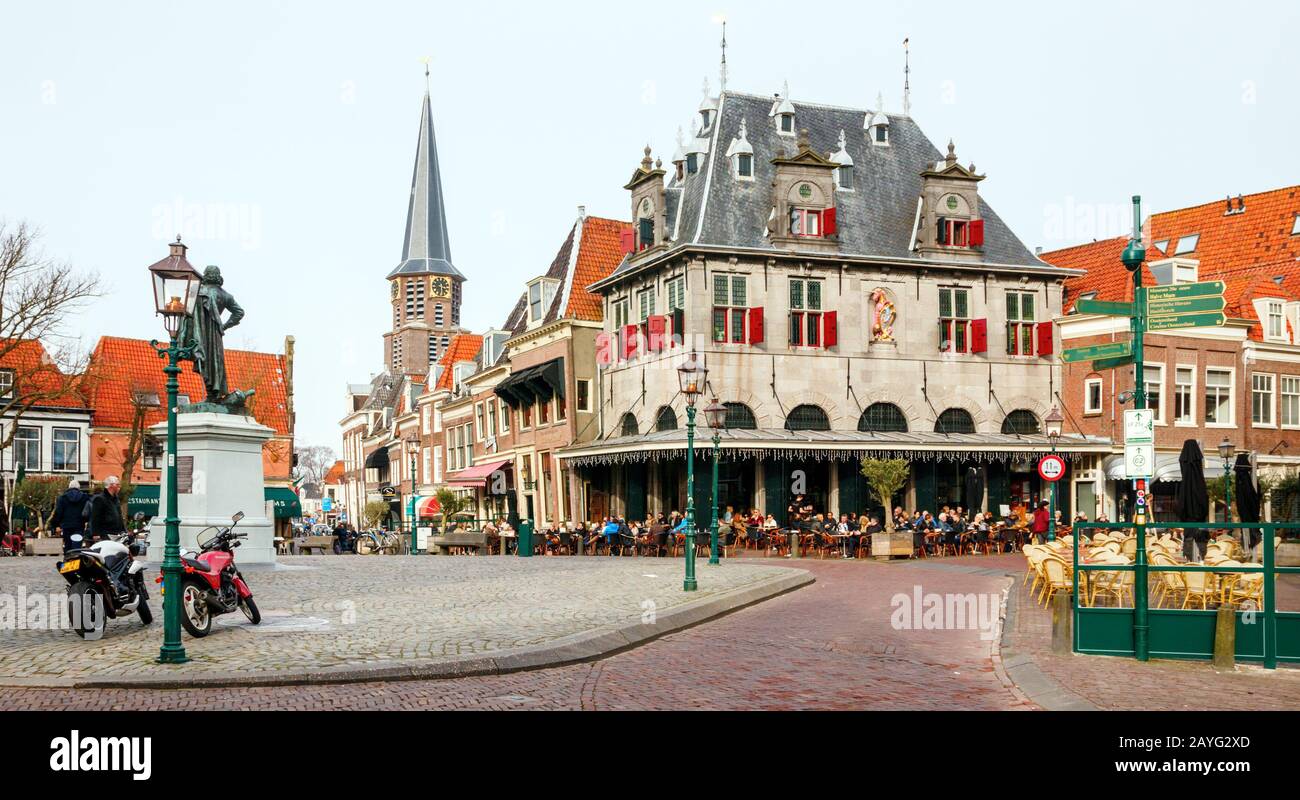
(1107, 350)
(1212, 320)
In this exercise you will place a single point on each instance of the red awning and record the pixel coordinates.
(426, 507)
(477, 474)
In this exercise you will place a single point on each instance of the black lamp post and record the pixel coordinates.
(1052, 423)
(412, 450)
(1226, 451)
(716, 415)
(691, 376)
(175, 292)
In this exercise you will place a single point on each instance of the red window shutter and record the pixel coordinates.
(830, 329)
(629, 341)
(1044, 338)
(828, 222)
(979, 335)
(756, 325)
(628, 240)
(604, 349)
(655, 336)
(977, 233)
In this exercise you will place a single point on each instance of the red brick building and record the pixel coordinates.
(1239, 382)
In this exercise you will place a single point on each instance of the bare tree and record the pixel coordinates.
(43, 365)
(143, 400)
(314, 462)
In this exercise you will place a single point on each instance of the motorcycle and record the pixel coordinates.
(107, 581)
(211, 584)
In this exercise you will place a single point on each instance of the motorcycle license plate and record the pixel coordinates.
(71, 566)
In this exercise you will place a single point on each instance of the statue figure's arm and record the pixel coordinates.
(236, 313)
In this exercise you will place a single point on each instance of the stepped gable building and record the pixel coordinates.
(852, 294)
(1239, 382)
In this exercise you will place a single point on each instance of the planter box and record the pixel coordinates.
(898, 543)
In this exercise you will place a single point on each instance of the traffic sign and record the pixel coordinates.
(1211, 320)
(1139, 461)
(1185, 305)
(1112, 363)
(1108, 350)
(1051, 468)
(1104, 307)
(1139, 425)
(1157, 293)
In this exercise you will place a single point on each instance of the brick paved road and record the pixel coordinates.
(826, 646)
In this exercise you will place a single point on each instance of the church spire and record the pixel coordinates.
(426, 248)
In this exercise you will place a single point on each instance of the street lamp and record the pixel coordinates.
(691, 376)
(716, 415)
(175, 292)
(1052, 423)
(412, 450)
(1226, 451)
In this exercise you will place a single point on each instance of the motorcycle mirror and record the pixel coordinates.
(238, 516)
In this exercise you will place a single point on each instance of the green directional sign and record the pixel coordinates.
(1211, 320)
(1112, 363)
(1203, 289)
(1098, 351)
(1184, 305)
(1104, 307)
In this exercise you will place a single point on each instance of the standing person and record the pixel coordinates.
(104, 515)
(1041, 522)
(70, 516)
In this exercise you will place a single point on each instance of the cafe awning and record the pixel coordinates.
(378, 459)
(540, 382)
(1167, 468)
(478, 474)
(143, 500)
(286, 502)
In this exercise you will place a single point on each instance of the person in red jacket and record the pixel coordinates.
(1041, 521)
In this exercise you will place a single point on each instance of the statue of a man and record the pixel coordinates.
(203, 331)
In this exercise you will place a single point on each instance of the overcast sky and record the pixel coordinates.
(279, 137)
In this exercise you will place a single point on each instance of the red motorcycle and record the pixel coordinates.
(211, 584)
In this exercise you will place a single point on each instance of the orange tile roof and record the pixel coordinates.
(1259, 235)
(600, 251)
(123, 366)
(1107, 275)
(46, 384)
(335, 474)
(463, 347)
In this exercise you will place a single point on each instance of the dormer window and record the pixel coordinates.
(1275, 321)
(787, 124)
(881, 134)
(805, 222)
(704, 119)
(1187, 244)
(645, 226)
(844, 172)
(692, 163)
(783, 112)
(1295, 226)
(878, 124)
(955, 228)
(953, 232)
(745, 165)
(540, 294)
(741, 153)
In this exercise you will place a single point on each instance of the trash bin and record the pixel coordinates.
(525, 539)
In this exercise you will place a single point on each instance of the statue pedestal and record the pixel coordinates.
(219, 472)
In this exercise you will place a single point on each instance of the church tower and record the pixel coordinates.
(425, 288)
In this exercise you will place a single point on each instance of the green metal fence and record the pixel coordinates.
(1264, 634)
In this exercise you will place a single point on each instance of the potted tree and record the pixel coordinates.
(886, 476)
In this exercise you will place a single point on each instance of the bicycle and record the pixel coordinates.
(370, 542)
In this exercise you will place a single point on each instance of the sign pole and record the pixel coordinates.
(1133, 257)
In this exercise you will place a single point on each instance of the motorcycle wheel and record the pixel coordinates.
(250, 610)
(146, 615)
(195, 615)
(86, 610)
(364, 547)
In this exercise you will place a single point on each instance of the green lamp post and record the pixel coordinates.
(1226, 451)
(1052, 424)
(1132, 257)
(175, 291)
(412, 450)
(716, 415)
(691, 376)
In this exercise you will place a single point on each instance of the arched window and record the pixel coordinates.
(740, 417)
(883, 418)
(1022, 422)
(955, 420)
(807, 418)
(629, 424)
(666, 419)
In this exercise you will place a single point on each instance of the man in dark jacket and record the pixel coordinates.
(68, 516)
(105, 517)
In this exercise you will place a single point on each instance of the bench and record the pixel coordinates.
(323, 544)
(461, 540)
(49, 546)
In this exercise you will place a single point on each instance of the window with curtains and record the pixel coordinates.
(729, 310)
(1020, 323)
(954, 320)
(805, 312)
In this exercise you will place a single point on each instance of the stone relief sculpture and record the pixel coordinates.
(883, 317)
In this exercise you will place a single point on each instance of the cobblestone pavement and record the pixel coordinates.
(326, 611)
(830, 645)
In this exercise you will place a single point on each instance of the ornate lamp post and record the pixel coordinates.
(1052, 423)
(1226, 451)
(175, 291)
(691, 377)
(412, 450)
(716, 415)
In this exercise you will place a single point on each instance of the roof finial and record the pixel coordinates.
(880, 101)
(744, 134)
(952, 152)
(843, 141)
(785, 89)
(723, 87)
(907, 80)
(706, 87)
(646, 163)
(425, 61)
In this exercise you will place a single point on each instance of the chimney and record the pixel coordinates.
(1038, 251)
(582, 212)
(178, 249)
(1241, 204)
(1228, 202)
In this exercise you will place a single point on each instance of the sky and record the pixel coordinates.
(279, 137)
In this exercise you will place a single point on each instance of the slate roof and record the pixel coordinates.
(122, 367)
(426, 248)
(875, 219)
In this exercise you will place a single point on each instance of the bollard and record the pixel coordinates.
(1062, 620)
(794, 543)
(1225, 638)
(525, 539)
(502, 543)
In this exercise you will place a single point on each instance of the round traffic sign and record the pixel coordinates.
(1051, 468)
